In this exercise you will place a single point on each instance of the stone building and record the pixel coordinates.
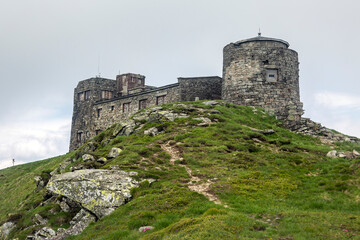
(258, 71)
(100, 102)
(263, 72)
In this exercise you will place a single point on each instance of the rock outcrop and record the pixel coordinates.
(309, 127)
(5, 229)
(98, 191)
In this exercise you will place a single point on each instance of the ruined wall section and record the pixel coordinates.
(86, 94)
(106, 113)
(200, 87)
(265, 74)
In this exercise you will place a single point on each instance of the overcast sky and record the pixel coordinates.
(46, 47)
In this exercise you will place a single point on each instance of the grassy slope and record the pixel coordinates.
(278, 186)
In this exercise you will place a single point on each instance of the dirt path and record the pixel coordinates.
(193, 184)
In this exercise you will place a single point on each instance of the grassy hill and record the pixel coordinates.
(265, 184)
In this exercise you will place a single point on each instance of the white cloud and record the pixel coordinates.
(339, 111)
(337, 100)
(38, 135)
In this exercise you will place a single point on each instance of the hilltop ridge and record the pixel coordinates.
(192, 170)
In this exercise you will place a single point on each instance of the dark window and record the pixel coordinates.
(271, 75)
(142, 104)
(97, 131)
(79, 136)
(81, 96)
(160, 100)
(126, 107)
(87, 94)
(112, 108)
(99, 112)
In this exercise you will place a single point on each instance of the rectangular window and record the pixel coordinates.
(271, 75)
(106, 94)
(160, 100)
(79, 137)
(81, 96)
(142, 104)
(99, 112)
(112, 108)
(87, 95)
(126, 107)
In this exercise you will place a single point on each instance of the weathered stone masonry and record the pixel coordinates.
(99, 102)
(258, 71)
(263, 72)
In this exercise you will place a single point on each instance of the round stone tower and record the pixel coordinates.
(263, 72)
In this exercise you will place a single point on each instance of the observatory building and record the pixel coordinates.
(259, 71)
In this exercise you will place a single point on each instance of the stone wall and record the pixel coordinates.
(86, 94)
(200, 87)
(263, 72)
(118, 109)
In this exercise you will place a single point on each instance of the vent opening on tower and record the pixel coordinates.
(271, 75)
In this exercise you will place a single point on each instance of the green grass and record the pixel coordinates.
(275, 186)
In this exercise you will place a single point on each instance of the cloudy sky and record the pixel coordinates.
(46, 47)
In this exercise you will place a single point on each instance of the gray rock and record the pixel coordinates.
(40, 184)
(40, 220)
(332, 154)
(64, 164)
(145, 228)
(99, 191)
(44, 233)
(81, 220)
(151, 132)
(211, 103)
(124, 128)
(341, 155)
(102, 160)
(114, 152)
(5, 229)
(355, 153)
(204, 121)
(64, 206)
(88, 158)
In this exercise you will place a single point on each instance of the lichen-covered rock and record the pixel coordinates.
(99, 191)
(88, 158)
(102, 160)
(5, 229)
(44, 233)
(81, 220)
(124, 128)
(114, 152)
(64, 206)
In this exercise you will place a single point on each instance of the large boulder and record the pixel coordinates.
(99, 191)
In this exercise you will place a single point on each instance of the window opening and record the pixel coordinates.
(160, 100)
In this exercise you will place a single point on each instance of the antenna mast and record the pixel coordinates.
(98, 66)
